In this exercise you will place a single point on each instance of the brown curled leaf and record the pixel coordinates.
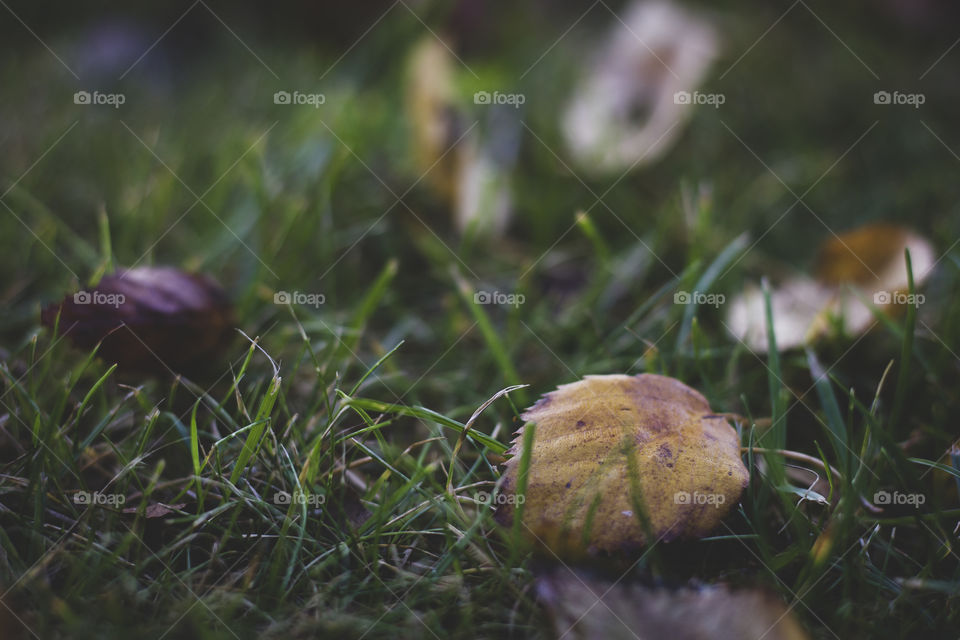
(149, 319)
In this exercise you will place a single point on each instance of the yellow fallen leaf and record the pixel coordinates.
(580, 495)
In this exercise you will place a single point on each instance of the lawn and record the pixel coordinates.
(355, 390)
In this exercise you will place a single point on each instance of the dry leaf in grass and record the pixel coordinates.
(628, 612)
(580, 496)
(798, 313)
(149, 319)
(432, 114)
(468, 167)
(627, 111)
(873, 254)
(867, 263)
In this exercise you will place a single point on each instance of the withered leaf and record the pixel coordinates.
(435, 124)
(468, 170)
(150, 319)
(629, 108)
(633, 611)
(580, 495)
(866, 263)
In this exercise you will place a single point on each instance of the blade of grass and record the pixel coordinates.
(466, 430)
(778, 419)
(490, 336)
(427, 415)
(523, 470)
(836, 428)
(262, 421)
(370, 302)
(906, 352)
(705, 281)
(86, 441)
(195, 453)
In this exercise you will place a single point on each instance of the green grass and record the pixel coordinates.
(365, 399)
